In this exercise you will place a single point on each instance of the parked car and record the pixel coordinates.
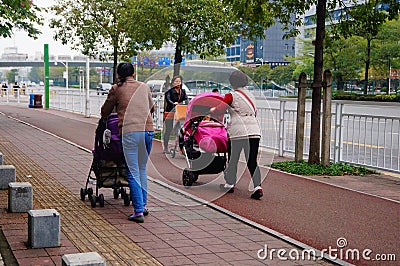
(103, 88)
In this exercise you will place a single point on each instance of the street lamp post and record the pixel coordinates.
(81, 82)
(390, 73)
(66, 80)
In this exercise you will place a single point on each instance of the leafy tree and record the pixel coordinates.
(11, 74)
(283, 74)
(343, 57)
(262, 73)
(36, 74)
(19, 14)
(365, 20)
(281, 9)
(387, 49)
(257, 74)
(95, 27)
(306, 65)
(201, 27)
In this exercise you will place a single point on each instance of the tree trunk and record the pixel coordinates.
(115, 61)
(340, 83)
(178, 58)
(367, 62)
(315, 135)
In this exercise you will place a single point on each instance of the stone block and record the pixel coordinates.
(43, 228)
(20, 197)
(7, 175)
(83, 259)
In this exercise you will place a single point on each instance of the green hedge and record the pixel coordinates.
(362, 97)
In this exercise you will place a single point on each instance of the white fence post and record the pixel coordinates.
(338, 133)
(158, 115)
(281, 127)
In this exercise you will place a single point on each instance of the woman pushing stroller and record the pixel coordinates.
(134, 105)
(244, 133)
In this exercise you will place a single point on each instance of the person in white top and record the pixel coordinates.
(244, 133)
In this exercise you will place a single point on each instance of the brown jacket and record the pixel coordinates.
(134, 105)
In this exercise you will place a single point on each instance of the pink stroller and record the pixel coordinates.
(203, 138)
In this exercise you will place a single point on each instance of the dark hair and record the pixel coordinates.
(124, 70)
(238, 79)
(215, 90)
(174, 78)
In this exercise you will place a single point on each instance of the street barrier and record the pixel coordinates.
(7, 175)
(83, 259)
(43, 228)
(20, 197)
(367, 140)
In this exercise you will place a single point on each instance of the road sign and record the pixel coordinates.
(394, 73)
(135, 61)
(164, 61)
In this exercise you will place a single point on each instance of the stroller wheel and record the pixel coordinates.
(172, 153)
(93, 200)
(116, 193)
(187, 178)
(123, 192)
(126, 199)
(101, 200)
(83, 193)
(90, 191)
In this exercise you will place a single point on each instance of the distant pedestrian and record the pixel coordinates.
(134, 105)
(174, 96)
(244, 133)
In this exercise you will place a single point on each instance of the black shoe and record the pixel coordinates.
(136, 218)
(257, 194)
(226, 188)
(145, 212)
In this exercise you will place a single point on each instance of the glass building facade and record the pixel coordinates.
(270, 50)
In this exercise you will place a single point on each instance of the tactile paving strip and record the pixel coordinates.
(80, 224)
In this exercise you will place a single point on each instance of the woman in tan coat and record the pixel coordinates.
(134, 105)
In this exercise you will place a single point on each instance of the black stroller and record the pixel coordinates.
(108, 164)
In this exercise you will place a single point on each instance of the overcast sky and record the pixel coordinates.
(29, 46)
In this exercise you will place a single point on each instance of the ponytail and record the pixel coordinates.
(124, 70)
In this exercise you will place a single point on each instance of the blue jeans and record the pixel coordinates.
(137, 147)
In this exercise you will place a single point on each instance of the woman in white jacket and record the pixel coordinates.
(244, 133)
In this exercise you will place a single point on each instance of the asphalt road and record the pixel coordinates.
(312, 212)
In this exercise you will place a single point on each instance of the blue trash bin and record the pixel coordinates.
(31, 100)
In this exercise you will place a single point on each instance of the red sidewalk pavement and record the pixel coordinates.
(312, 212)
(178, 231)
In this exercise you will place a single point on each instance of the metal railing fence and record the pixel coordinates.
(361, 139)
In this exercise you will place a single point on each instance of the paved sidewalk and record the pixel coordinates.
(171, 235)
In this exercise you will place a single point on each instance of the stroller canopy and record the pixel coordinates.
(200, 106)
